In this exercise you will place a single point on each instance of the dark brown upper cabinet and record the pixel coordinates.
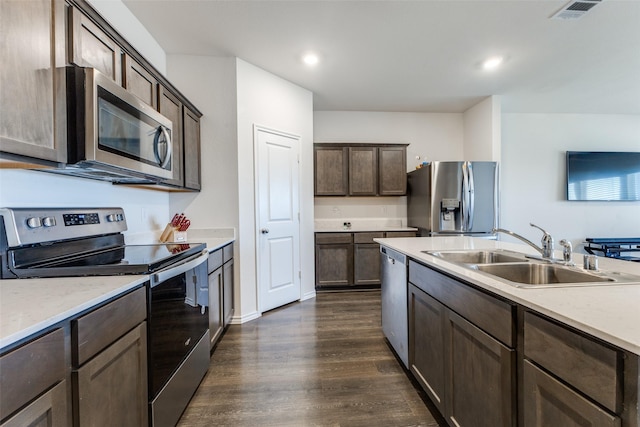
(392, 171)
(360, 169)
(141, 83)
(363, 171)
(33, 57)
(92, 47)
(331, 170)
(191, 150)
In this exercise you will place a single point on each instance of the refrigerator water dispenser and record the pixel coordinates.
(449, 212)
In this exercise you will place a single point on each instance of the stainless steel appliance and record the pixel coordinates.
(394, 301)
(64, 242)
(453, 198)
(113, 135)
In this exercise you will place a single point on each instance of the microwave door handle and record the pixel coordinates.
(156, 141)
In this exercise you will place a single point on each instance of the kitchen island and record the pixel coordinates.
(489, 353)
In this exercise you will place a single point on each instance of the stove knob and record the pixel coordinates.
(49, 221)
(34, 222)
(112, 218)
(120, 217)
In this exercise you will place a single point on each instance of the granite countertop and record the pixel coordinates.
(28, 306)
(608, 312)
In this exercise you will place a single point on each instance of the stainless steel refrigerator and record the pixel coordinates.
(453, 198)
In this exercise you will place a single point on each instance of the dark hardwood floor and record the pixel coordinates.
(321, 362)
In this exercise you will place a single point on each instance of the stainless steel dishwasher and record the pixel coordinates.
(394, 301)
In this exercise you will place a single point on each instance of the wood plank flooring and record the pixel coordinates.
(321, 362)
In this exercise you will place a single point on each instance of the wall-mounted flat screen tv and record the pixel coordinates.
(604, 176)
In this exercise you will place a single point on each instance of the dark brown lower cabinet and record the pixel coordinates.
(111, 389)
(350, 259)
(216, 320)
(48, 410)
(227, 292)
(467, 373)
(33, 384)
(426, 344)
(334, 259)
(481, 377)
(549, 402)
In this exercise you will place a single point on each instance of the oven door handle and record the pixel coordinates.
(178, 269)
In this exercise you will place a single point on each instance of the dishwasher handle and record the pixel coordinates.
(393, 256)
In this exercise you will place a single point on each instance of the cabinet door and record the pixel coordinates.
(92, 47)
(49, 410)
(216, 319)
(426, 344)
(481, 377)
(334, 264)
(363, 171)
(191, 150)
(111, 389)
(366, 264)
(392, 171)
(140, 82)
(32, 54)
(228, 292)
(548, 402)
(330, 165)
(171, 107)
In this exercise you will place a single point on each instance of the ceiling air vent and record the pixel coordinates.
(575, 9)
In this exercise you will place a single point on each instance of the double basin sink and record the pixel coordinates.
(525, 272)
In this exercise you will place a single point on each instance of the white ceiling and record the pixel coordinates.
(421, 55)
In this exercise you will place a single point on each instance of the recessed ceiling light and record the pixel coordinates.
(492, 63)
(310, 59)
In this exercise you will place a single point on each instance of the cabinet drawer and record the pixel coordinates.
(322, 238)
(492, 315)
(100, 328)
(587, 365)
(227, 252)
(215, 260)
(29, 370)
(367, 237)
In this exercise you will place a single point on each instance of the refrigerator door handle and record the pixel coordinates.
(471, 197)
(467, 196)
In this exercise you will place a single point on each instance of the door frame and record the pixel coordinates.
(256, 200)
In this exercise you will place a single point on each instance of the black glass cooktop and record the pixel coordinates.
(127, 259)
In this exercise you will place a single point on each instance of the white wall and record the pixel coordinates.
(269, 101)
(129, 27)
(533, 175)
(210, 84)
(145, 210)
(482, 130)
(431, 136)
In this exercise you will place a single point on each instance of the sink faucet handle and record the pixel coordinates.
(567, 251)
(547, 242)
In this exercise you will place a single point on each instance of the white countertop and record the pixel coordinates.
(28, 306)
(609, 312)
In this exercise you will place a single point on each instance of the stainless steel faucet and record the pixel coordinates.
(547, 241)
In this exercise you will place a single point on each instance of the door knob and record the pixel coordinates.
(264, 231)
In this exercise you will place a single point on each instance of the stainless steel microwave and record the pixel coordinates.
(113, 135)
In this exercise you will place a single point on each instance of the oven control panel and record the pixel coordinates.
(27, 226)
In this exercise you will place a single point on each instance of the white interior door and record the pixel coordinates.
(278, 222)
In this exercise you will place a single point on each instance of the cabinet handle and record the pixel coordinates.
(265, 231)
